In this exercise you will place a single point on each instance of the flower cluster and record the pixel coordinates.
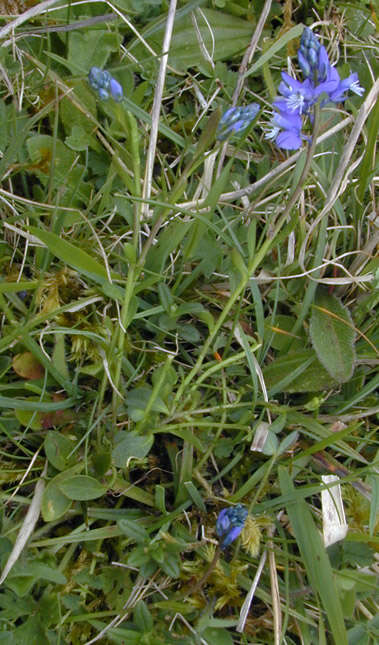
(322, 84)
(104, 84)
(230, 523)
(236, 120)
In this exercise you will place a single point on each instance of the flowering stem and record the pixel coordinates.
(310, 152)
(130, 281)
(253, 264)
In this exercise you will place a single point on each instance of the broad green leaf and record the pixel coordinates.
(221, 34)
(169, 239)
(90, 47)
(217, 636)
(78, 139)
(314, 556)
(130, 445)
(57, 449)
(280, 333)
(29, 419)
(27, 366)
(137, 400)
(38, 570)
(54, 503)
(55, 164)
(332, 334)
(82, 488)
(299, 371)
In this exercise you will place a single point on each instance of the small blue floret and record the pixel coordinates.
(230, 523)
(104, 84)
(236, 120)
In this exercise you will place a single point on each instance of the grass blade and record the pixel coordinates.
(316, 561)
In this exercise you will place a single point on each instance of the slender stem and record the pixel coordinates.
(254, 263)
(206, 575)
(132, 127)
(122, 329)
(156, 389)
(134, 144)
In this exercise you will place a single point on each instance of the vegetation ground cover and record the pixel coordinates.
(187, 325)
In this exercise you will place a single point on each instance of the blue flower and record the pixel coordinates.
(104, 84)
(236, 120)
(350, 83)
(286, 130)
(115, 90)
(322, 84)
(230, 523)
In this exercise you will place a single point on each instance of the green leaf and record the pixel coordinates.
(195, 495)
(57, 448)
(131, 446)
(29, 419)
(71, 255)
(137, 400)
(82, 488)
(332, 334)
(143, 618)
(299, 371)
(285, 38)
(55, 164)
(78, 139)
(170, 565)
(54, 503)
(90, 47)
(38, 570)
(374, 506)
(314, 556)
(217, 636)
(134, 530)
(32, 404)
(220, 33)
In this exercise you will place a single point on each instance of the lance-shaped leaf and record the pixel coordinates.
(332, 334)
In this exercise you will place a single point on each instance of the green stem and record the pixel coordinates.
(130, 282)
(254, 263)
(156, 389)
(262, 483)
(206, 575)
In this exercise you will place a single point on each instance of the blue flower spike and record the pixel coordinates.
(321, 85)
(230, 523)
(104, 84)
(236, 120)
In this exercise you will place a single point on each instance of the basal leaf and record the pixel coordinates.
(72, 255)
(333, 335)
(27, 366)
(54, 503)
(299, 371)
(57, 449)
(221, 34)
(131, 446)
(82, 488)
